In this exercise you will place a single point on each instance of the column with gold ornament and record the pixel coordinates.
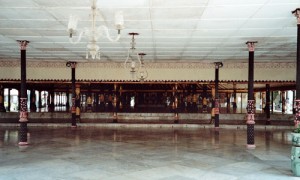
(23, 98)
(73, 107)
(77, 102)
(251, 101)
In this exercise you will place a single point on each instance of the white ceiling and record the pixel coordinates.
(170, 30)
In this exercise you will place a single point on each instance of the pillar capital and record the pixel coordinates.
(296, 13)
(23, 44)
(218, 65)
(251, 45)
(71, 64)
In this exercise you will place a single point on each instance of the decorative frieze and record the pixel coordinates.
(170, 65)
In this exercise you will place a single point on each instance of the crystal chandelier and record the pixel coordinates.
(93, 33)
(132, 61)
(142, 72)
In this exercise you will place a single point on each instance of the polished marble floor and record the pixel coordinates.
(144, 152)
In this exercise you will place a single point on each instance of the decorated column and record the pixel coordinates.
(40, 100)
(73, 108)
(2, 108)
(283, 101)
(77, 102)
(89, 100)
(213, 96)
(175, 95)
(234, 105)
(296, 12)
(251, 102)
(115, 104)
(8, 100)
(217, 100)
(204, 99)
(23, 98)
(67, 100)
(32, 100)
(268, 103)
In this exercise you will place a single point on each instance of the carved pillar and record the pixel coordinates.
(204, 99)
(234, 104)
(40, 100)
(32, 100)
(218, 65)
(175, 95)
(296, 12)
(8, 103)
(51, 98)
(77, 102)
(120, 98)
(115, 104)
(283, 101)
(267, 108)
(2, 108)
(73, 108)
(228, 102)
(67, 100)
(251, 101)
(213, 95)
(23, 98)
(89, 100)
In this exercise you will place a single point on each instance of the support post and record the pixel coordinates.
(218, 65)
(176, 121)
(32, 100)
(234, 104)
(267, 108)
(8, 103)
(73, 108)
(296, 12)
(78, 102)
(89, 100)
(23, 98)
(40, 100)
(204, 99)
(251, 102)
(115, 104)
(283, 101)
(2, 108)
(67, 100)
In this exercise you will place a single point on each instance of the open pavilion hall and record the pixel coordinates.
(149, 89)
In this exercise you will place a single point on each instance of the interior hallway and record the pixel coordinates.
(119, 151)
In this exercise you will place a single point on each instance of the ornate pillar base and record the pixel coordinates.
(250, 124)
(23, 134)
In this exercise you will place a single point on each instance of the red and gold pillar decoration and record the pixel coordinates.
(218, 65)
(175, 94)
(77, 102)
(251, 101)
(23, 98)
(115, 104)
(73, 107)
(296, 12)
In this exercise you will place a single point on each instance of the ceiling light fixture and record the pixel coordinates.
(142, 72)
(93, 33)
(132, 61)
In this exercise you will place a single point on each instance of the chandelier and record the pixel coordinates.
(142, 72)
(132, 61)
(93, 33)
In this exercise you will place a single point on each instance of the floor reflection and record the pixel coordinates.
(143, 153)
